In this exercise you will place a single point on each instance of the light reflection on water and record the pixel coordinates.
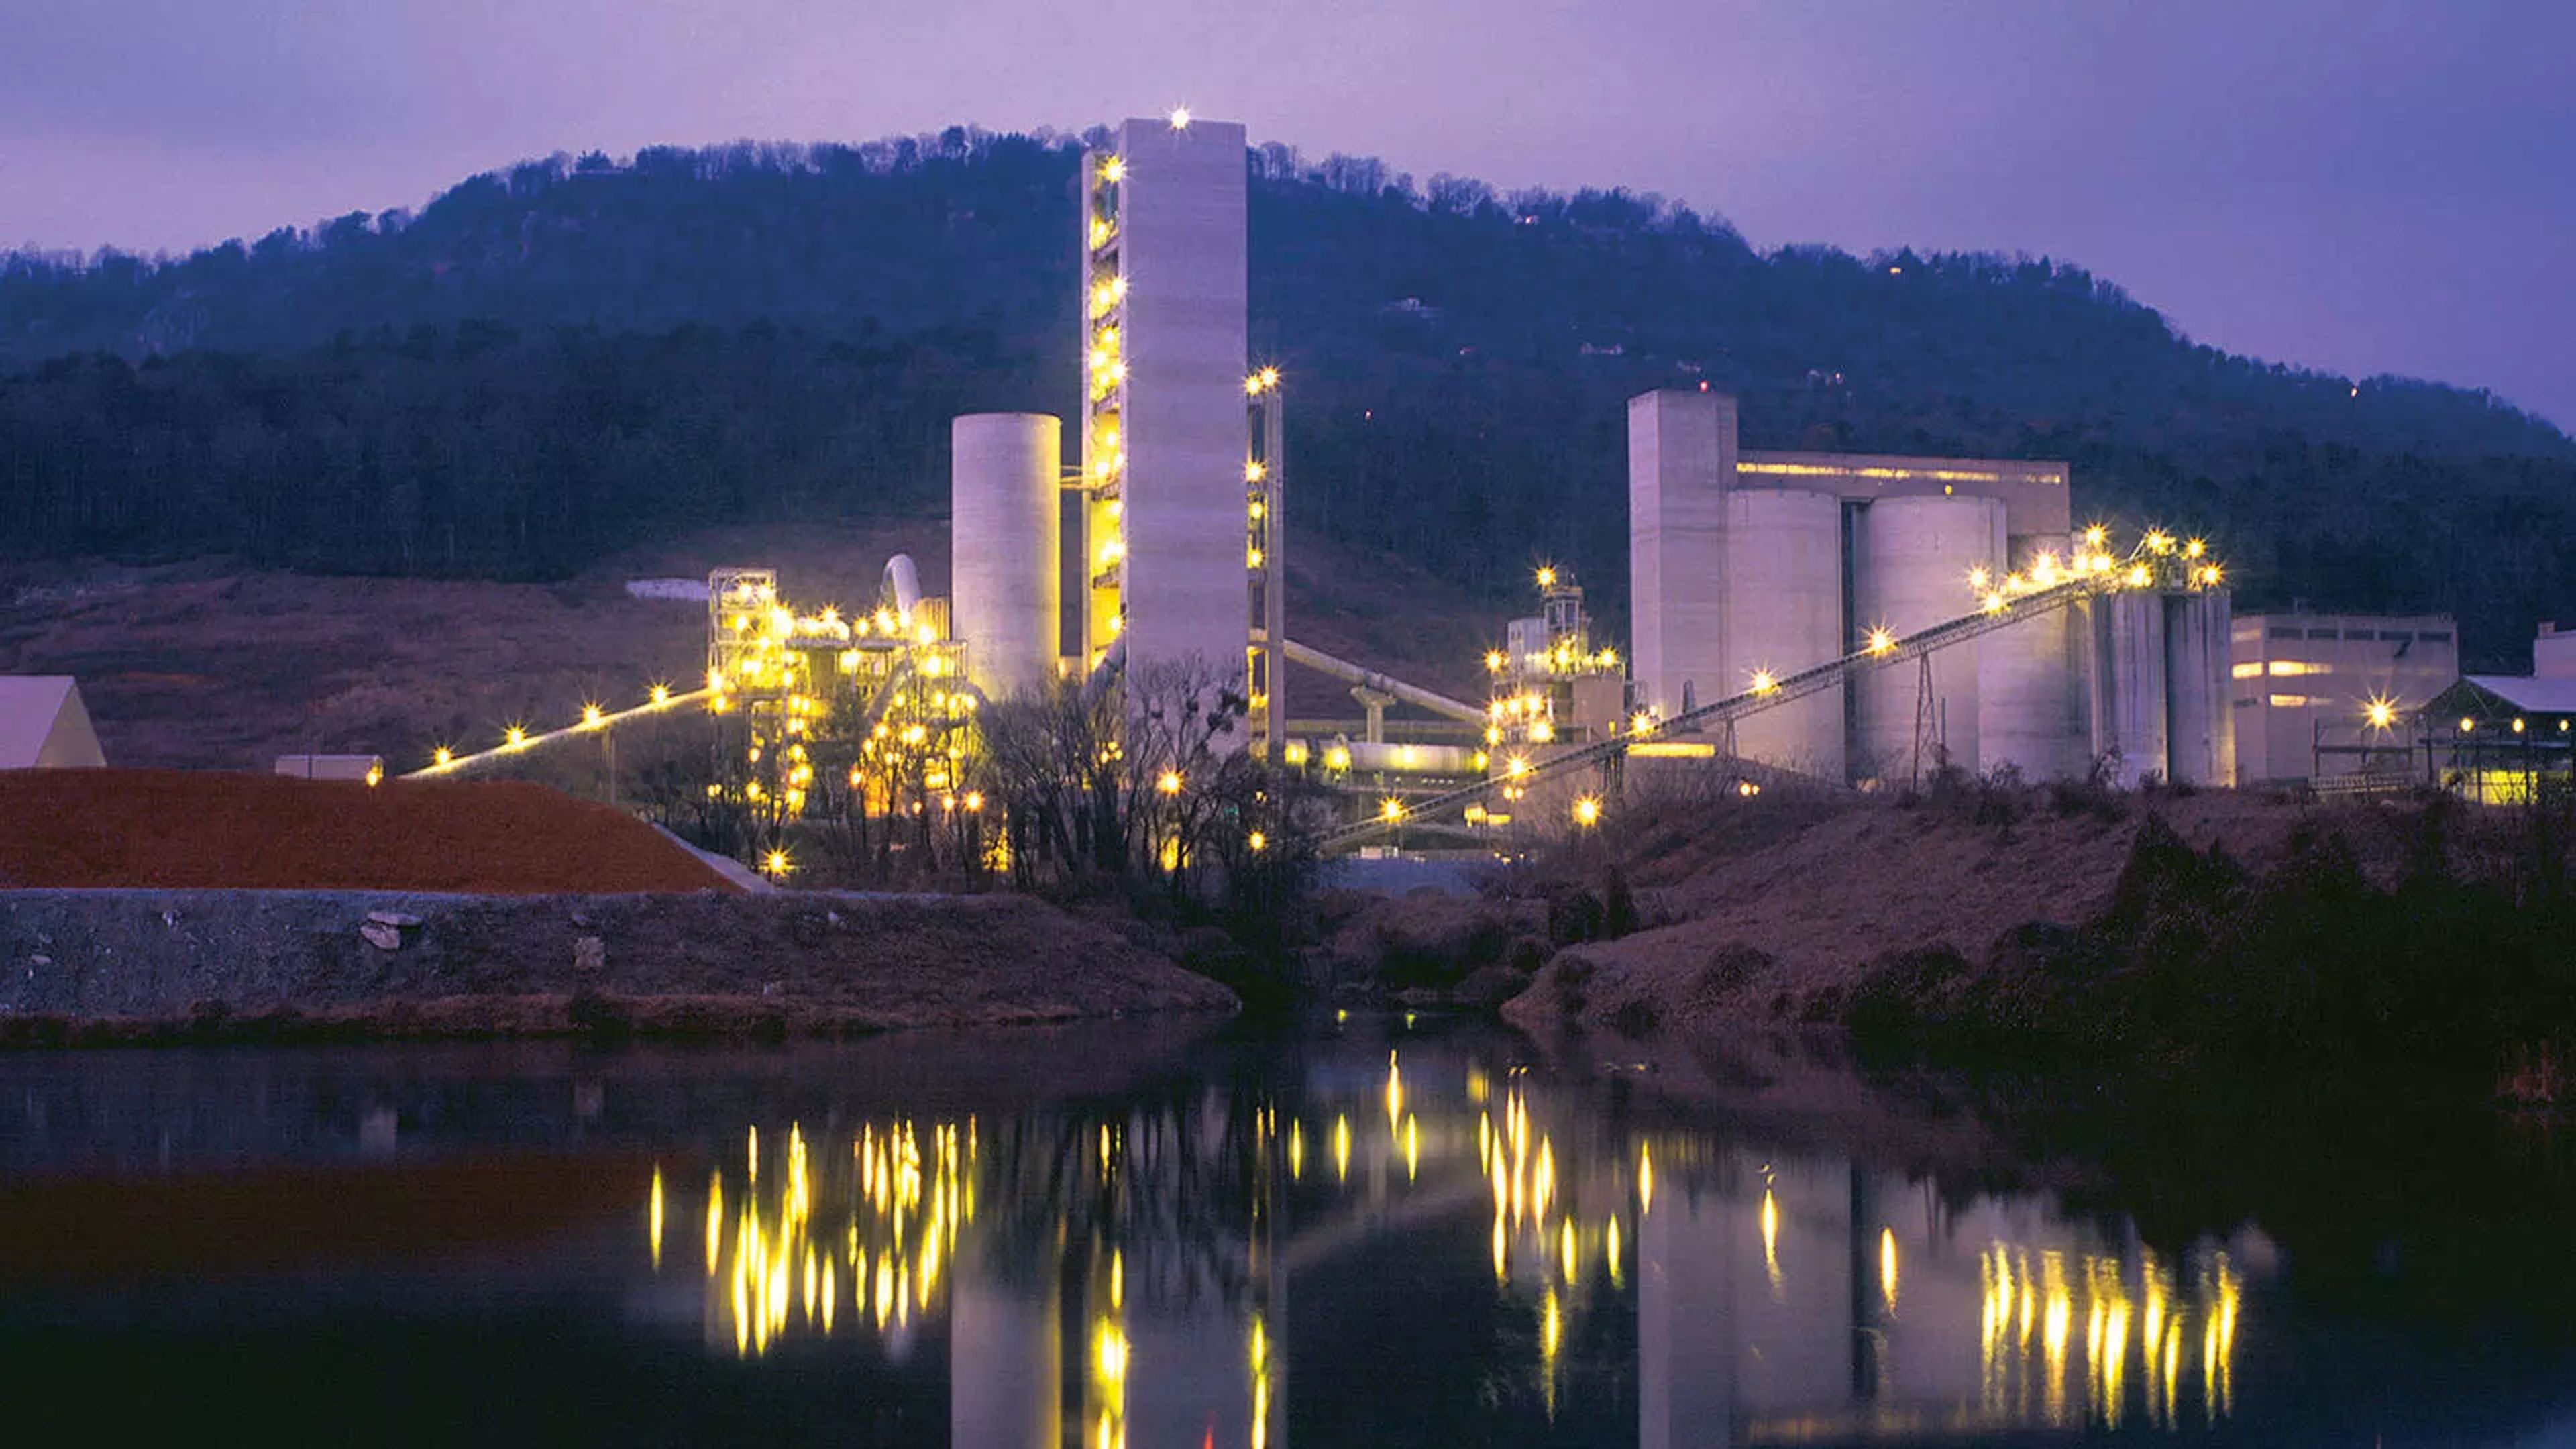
(1878, 1308)
(1325, 1241)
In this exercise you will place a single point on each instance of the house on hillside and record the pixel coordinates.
(44, 726)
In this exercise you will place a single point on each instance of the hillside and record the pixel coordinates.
(547, 365)
(214, 664)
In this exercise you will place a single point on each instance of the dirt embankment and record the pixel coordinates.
(108, 966)
(2163, 923)
(206, 829)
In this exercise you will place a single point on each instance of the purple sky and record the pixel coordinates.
(2353, 185)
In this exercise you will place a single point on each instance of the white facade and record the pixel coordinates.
(1164, 444)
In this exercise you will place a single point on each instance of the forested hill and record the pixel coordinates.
(549, 362)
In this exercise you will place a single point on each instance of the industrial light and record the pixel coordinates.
(2517, 727)
(2381, 714)
(1169, 782)
(2096, 536)
(1390, 808)
(2194, 549)
(1493, 661)
(1180, 118)
(1113, 168)
(1253, 471)
(1642, 723)
(1587, 811)
(1763, 683)
(516, 736)
(1257, 841)
(442, 757)
(777, 863)
(661, 694)
(1546, 577)
(1881, 640)
(590, 716)
(1978, 578)
(1269, 377)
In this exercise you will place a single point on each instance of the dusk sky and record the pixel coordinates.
(2360, 187)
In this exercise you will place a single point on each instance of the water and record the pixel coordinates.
(1379, 1234)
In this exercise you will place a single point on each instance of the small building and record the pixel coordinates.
(370, 768)
(2553, 652)
(2494, 738)
(44, 725)
(2304, 685)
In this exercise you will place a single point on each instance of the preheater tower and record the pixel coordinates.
(1163, 444)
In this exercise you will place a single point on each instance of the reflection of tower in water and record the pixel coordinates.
(1125, 1276)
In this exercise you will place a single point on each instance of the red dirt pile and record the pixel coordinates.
(179, 829)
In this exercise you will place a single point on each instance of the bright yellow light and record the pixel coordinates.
(2160, 541)
(515, 737)
(1253, 472)
(1252, 558)
(1541, 732)
(1113, 169)
(1641, 723)
(1180, 118)
(1269, 377)
(2096, 536)
(1258, 841)
(1169, 782)
(1493, 661)
(2381, 713)
(1881, 640)
(1994, 603)
(591, 716)
(1978, 578)
(1587, 811)
(442, 757)
(1390, 808)
(1516, 766)
(777, 863)
(661, 694)
(1252, 385)
(1763, 683)
(2138, 576)
(2194, 549)
(1547, 578)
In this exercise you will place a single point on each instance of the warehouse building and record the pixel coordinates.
(2311, 691)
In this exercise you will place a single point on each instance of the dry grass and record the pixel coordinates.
(205, 665)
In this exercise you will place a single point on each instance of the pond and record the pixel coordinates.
(1372, 1232)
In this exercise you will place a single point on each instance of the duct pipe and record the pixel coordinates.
(1343, 669)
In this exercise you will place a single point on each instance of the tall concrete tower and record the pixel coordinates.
(1164, 430)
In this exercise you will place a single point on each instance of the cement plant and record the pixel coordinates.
(1799, 619)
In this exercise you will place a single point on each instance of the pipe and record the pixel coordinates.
(1343, 669)
(902, 584)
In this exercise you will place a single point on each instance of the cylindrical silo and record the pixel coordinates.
(1004, 525)
(1910, 564)
(1784, 614)
(2129, 684)
(2030, 697)
(2200, 724)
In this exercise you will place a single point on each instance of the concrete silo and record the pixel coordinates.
(2128, 684)
(1910, 558)
(2200, 722)
(2030, 701)
(1782, 565)
(1005, 527)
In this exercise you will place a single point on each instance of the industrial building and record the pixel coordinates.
(2305, 686)
(44, 725)
(1746, 566)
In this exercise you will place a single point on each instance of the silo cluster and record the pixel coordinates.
(1748, 567)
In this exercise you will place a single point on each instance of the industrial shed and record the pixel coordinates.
(43, 725)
